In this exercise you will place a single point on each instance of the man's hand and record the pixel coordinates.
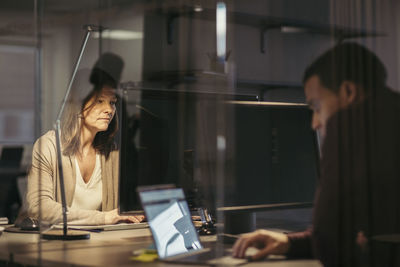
(267, 241)
(112, 217)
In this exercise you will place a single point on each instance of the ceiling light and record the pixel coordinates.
(221, 30)
(119, 35)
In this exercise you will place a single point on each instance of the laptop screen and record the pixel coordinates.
(170, 221)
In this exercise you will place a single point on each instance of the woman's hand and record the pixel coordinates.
(112, 217)
(267, 241)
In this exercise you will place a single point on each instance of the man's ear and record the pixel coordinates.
(348, 93)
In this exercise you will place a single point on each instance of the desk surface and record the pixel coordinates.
(111, 248)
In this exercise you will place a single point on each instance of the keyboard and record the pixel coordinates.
(106, 227)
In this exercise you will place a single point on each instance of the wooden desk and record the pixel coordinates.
(112, 248)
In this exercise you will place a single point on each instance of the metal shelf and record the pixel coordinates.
(266, 23)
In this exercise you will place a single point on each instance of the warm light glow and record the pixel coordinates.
(119, 35)
(291, 29)
(266, 103)
(198, 8)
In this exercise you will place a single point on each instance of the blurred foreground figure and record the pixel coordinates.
(357, 200)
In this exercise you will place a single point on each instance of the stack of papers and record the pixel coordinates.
(3, 220)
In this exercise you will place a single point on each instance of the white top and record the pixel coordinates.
(88, 196)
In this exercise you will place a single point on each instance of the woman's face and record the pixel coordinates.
(99, 111)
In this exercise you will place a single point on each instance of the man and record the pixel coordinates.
(356, 201)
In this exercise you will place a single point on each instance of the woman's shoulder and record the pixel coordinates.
(47, 139)
(112, 157)
(48, 136)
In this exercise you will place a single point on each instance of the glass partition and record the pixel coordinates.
(209, 97)
(19, 114)
(172, 96)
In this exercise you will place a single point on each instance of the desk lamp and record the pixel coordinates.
(64, 234)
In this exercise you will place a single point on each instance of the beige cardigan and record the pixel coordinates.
(48, 193)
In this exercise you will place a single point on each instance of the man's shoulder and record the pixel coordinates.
(390, 99)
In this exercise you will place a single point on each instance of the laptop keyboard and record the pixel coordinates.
(212, 257)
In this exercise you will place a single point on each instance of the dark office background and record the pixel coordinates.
(172, 46)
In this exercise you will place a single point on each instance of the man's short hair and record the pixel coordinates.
(348, 62)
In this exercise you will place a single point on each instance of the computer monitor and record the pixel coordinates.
(159, 130)
(272, 163)
(275, 155)
(11, 156)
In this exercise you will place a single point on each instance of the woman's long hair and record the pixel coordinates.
(71, 127)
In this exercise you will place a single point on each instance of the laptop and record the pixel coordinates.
(174, 234)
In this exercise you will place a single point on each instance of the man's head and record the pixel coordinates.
(344, 75)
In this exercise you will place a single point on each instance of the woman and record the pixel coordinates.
(89, 160)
